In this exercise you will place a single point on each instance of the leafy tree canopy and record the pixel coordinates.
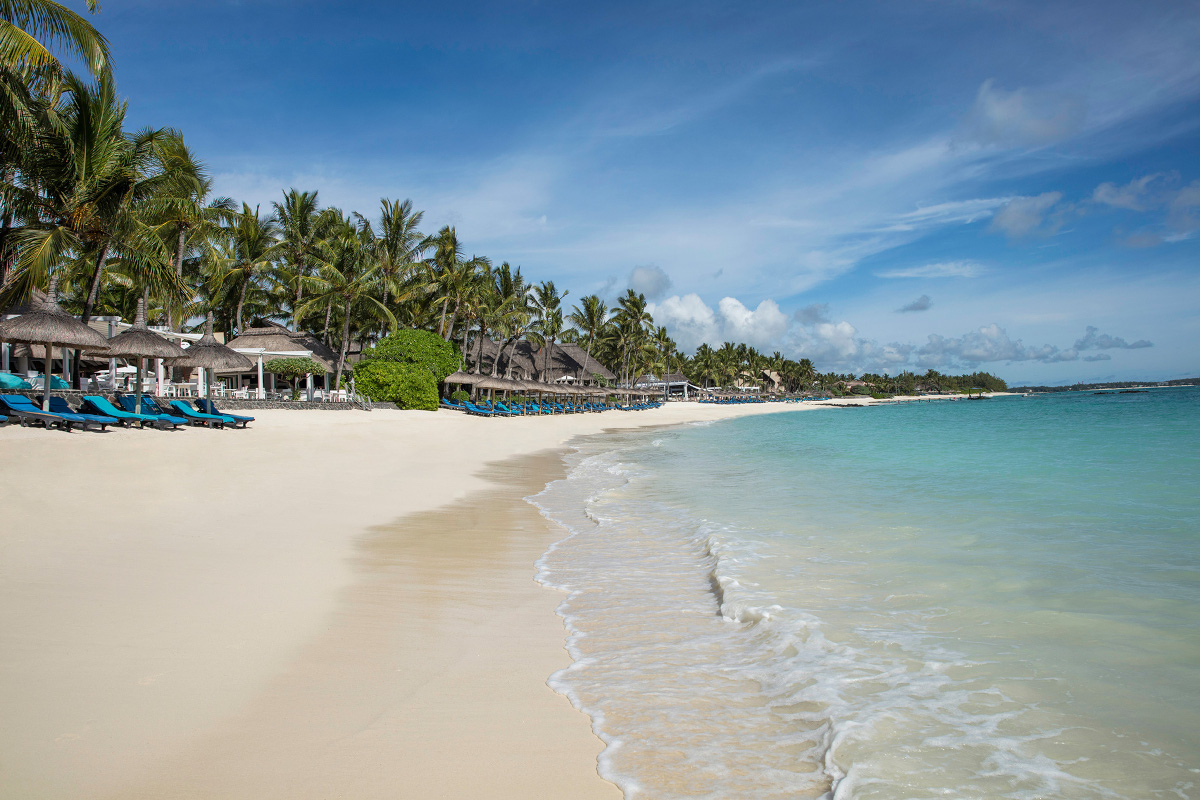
(417, 347)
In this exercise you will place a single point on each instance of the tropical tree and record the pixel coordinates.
(590, 317)
(349, 278)
(245, 251)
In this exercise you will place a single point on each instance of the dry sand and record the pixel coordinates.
(297, 610)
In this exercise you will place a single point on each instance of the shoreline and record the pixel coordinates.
(154, 585)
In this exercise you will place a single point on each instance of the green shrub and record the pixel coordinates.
(292, 368)
(460, 395)
(418, 348)
(880, 396)
(406, 385)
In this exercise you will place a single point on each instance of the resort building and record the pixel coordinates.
(269, 340)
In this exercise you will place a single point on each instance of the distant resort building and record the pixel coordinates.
(565, 363)
(269, 340)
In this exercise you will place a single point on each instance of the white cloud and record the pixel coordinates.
(761, 328)
(987, 344)
(1184, 206)
(1024, 117)
(944, 269)
(922, 303)
(1023, 216)
(650, 281)
(1093, 339)
(1133, 196)
(692, 322)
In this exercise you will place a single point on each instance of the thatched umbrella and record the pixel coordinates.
(463, 378)
(207, 353)
(141, 343)
(46, 323)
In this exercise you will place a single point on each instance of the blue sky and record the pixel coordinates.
(878, 186)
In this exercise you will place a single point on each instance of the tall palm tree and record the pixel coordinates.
(30, 29)
(590, 316)
(348, 277)
(547, 306)
(398, 243)
(303, 229)
(246, 251)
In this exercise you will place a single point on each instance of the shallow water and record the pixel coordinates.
(991, 599)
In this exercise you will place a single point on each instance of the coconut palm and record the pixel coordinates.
(398, 244)
(590, 316)
(30, 29)
(302, 229)
(245, 251)
(348, 278)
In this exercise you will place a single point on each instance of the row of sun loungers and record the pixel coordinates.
(98, 411)
(500, 408)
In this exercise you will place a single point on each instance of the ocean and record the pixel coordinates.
(995, 599)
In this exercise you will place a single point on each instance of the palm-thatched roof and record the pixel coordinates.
(208, 353)
(571, 359)
(44, 322)
(276, 338)
(139, 341)
(523, 366)
(462, 378)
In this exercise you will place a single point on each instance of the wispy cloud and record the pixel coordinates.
(922, 303)
(941, 269)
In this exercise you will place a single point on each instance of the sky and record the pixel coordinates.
(878, 186)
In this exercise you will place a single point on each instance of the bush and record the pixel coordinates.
(880, 396)
(417, 348)
(406, 385)
(292, 368)
(460, 396)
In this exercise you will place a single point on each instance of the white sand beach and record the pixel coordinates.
(328, 604)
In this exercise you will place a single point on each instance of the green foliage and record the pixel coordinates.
(460, 396)
(418, 348)
(406, 385)
(291, 368)
(880, 396)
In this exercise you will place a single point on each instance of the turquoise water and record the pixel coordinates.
(967, 599)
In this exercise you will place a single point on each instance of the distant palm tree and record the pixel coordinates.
(246, 250)
(590, 316)
(348, 277)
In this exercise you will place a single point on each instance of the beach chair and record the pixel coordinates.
(206, 405)
(58, 405)
(471, 408)
(199, 417)
(515, 412)
(22, 409)
(451, 404)
(129, 403)
(95, 404)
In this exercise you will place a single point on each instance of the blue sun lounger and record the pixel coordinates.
(95, 404)
(129, 403)
(198, 417)
(206, 405)
(58, 405)
(22, 409)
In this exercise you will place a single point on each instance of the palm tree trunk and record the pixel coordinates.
(88, 306)
(588, 357)
(512, 353)
(337, 381)
(242, 302)
(298, 298)
(453, 318)
(442, 321)
(479, 348)
(462, 359)
(328, 312)
(546, 358)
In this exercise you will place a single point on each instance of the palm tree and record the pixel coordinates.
(349, 277)
(590, 316)
(547, 308)
(82, 188)
(398, 244)
(30, 28)
(303, 229)
(247, 250)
